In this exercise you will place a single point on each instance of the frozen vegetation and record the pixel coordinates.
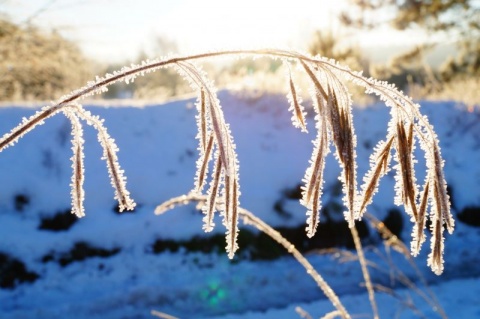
(124, 265)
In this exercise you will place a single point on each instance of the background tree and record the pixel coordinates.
(332, 44)
(455, 22)
(335, 43)
(38, 65)
(164, 83)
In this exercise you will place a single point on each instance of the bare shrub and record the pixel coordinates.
(38, 65)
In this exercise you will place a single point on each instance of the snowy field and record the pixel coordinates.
(109, 265)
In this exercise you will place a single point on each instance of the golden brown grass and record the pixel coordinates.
(334, 125)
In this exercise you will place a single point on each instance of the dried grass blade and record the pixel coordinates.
(227, 202)
(298, 118)
(232, 233)
(251, 219)
(210, 206)
(379, 168)
(385, 155)
(406, 171)
(220, 134)
(371, 187)
(342, 130)
(314, 180)
(202, 120)
(202, 165)
(418, 234)
(390, 239)
(441, 189)
(349, 164)
(179, 201)
(316, 82)
(332, 315)
(196, 78)
(162, 315)
(77, 193)
(314, 173)
(118, 179)
(27, 125)
(435, 258)
(314, 213)
(366, 275)
(226, 166)
(410, 138)
(110, 149)
(303, 313)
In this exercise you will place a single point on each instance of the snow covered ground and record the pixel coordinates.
(127, 278)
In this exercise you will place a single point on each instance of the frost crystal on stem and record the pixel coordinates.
(298, 117)
(110, 149)
(224, 180)
(78, 194)
(334, 124)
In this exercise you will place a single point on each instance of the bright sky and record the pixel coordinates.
(113, 30)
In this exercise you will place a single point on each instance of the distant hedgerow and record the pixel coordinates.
(36, 65)
(218, 167)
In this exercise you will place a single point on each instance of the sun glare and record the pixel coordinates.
(194, 25)
(200, 25)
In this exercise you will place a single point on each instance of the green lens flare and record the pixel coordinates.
(213, 294)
